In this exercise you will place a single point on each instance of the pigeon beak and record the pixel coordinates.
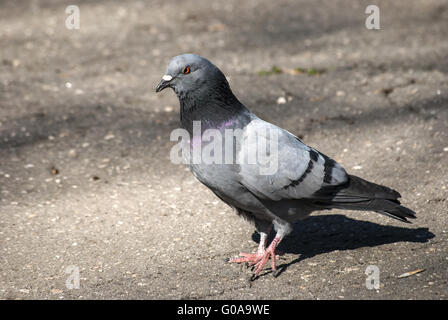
(164, 83)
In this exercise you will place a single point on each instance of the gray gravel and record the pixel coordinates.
(85, 176)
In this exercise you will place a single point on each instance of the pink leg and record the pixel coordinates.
(269, 253)
(253, 258)
(261, 257)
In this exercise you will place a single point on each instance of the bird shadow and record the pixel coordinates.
(323, 234)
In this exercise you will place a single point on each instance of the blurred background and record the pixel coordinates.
(85, 176)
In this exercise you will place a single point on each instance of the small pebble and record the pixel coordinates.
(281, 100)
(109, 136)
(72, 153)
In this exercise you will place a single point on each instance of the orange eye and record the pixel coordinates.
(186, 70)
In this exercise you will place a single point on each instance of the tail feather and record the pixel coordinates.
(359, 194)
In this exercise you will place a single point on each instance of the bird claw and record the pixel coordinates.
(253, 277)
(257, 261)
(249, 259)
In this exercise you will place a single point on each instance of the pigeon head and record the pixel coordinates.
(202, 89)
(190, 75)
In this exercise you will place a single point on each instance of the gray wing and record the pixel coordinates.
(285, 168)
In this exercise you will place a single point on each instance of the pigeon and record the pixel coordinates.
(302, 181)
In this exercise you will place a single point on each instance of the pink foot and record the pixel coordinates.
(250, 258)
(261, 257)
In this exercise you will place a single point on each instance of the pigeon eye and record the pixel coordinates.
(186, 70)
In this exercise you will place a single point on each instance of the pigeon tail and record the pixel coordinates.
(359, 194)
